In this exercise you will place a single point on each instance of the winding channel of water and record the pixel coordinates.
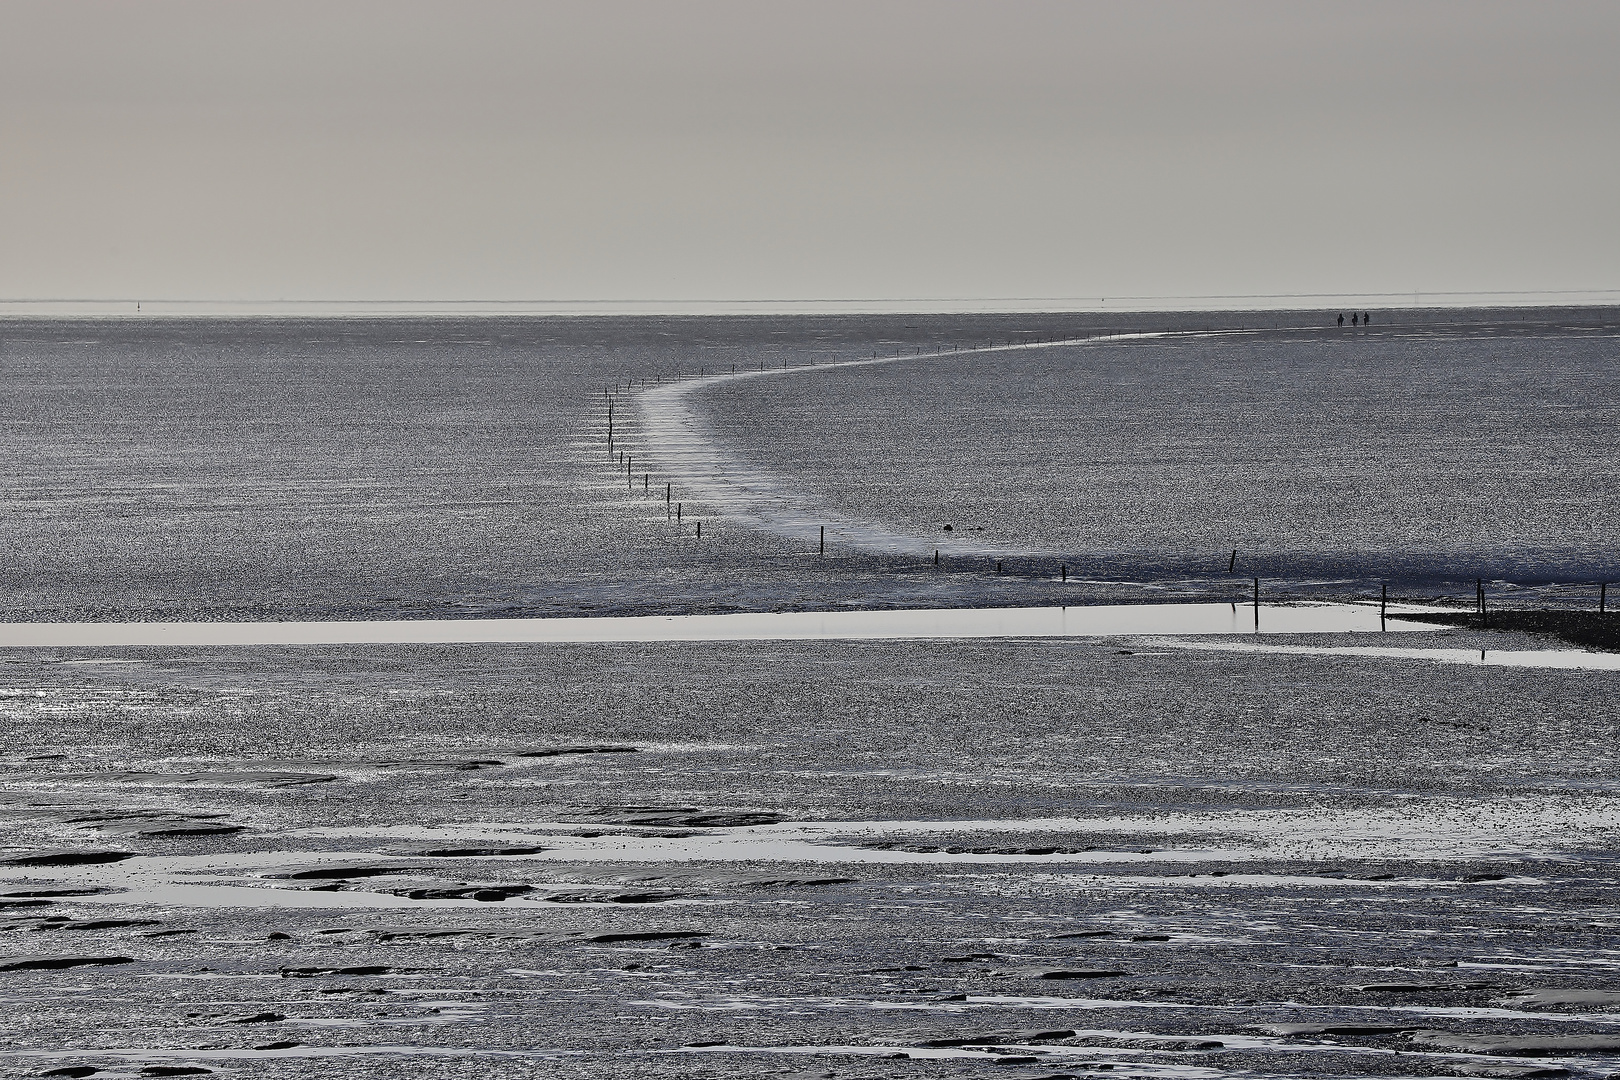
(708, 471)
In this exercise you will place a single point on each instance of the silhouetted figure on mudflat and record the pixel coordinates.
(1341, 318)
(1366, 319)
(1355, 320)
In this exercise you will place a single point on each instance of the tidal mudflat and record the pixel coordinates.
(437, 468)
(1145, 849)
(719, 859)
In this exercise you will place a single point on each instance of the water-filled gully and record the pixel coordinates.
(1167, 623)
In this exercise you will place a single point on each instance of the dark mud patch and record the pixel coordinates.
(342, 872)
(488, 851)
(492, 893)
(58, 963)
(644, 935)
(425, 935)
(994, 1038)
(320, 972)
(610, 896)
(563, 751)
(1542, 999)
(960, 849)
(783, 881)
(455, 764)
(1519, 1045)
(155, 823)
(1297, 1031)
(677, 816)
(263, 779)
(701, 879)
(1419, 988)
(67, 857)
(1586, 629)
(64, 923)
(538, 937)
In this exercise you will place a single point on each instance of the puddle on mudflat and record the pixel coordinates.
(1090, 621)
(1515, 827)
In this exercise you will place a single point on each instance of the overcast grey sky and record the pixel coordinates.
(711, 149)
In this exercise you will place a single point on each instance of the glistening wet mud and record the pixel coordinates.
(847, 852)
(802, 858)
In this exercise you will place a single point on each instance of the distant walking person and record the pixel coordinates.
(1355, 320)
(1366, 319)
(1341, 318)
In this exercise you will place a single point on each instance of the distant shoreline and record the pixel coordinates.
(1130, 305)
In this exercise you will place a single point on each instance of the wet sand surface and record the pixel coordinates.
(201, 470)
(1010, 858)
(1201, 855)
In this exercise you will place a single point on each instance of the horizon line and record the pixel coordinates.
(15, 308)
(1403, 294)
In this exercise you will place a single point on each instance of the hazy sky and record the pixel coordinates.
(395, 149)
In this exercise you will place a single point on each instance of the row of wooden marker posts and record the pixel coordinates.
(674, 511)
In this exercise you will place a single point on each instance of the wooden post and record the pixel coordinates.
(1383, 607)
(1257, 605)
(1065, 571)
(1231, 564)
(1603, 597)
(677, 513)
(936, 556)
(822, 549)
(700, 530)
(998, 566)
(646, 481)
(1479, 592)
